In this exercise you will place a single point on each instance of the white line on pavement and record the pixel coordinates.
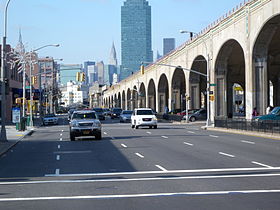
(139, 155)
(261, 164)
(148, 132)
(105, 133)
(58, 146)
(123, 145)
(58, 157)
(191, 132)
(247, 142)
(168, 172)
(225, 154)
(214, 136)
(161, 168)
(165, 137)
(60, 139)
(62, 130)
(61, 134)
(188, 143)
(139, 195)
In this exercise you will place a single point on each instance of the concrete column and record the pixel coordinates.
(169, 97)
(261, 84)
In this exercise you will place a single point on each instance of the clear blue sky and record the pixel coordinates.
(85, 29)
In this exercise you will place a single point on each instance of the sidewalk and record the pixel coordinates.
(13, 137)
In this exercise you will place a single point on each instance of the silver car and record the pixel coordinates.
(50, 119)
(85, 123)
(125, 116)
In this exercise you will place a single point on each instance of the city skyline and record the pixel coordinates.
(86, 33)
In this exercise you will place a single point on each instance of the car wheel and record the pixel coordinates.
(192, 119)
(150, 127)
(132, 126)
(72, 137)
(136, 126)
(98, 136)
(155, 126)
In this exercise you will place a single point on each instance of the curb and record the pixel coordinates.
(29, 133)
(246, 133)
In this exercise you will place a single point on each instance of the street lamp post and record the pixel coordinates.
(208, 121)
(3, 78)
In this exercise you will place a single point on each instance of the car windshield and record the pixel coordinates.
(127, 112)
(276, 111)
(88, 115)
(144, 112)
(117, 110)
(98, 109)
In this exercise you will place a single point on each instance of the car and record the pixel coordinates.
(125, 116)
(70, 112)
(85, 123)
(190, 111)
(273, 115)
(198, 115)
(50, 119)
(106, 111)
(115, 112)
(100, 113)
(143, 117)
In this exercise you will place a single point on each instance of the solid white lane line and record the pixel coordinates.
(139, 155)
(165, 137)
(247, 142)
(169, 172)
(188, 143)
(123, 145)
(58, 157)
(139, 195)
(225, 154)
(72, 152)
(161, 168)
(240, 176)
(191, 132)
(58, 146)
(214, 136)
(57, 172)
(261, 164)
(148, 132)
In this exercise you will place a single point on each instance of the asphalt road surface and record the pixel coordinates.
(172, 167)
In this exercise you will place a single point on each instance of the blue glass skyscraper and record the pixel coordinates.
(136, 36)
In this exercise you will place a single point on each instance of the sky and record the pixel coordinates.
(86, 29)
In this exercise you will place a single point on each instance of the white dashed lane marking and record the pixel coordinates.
(123, 145)
(189, 144)
(165, 137)
(261, 164)
(191, 132)
(139, 155)
(214, 136)
(160, 167)
(225, 154)
(247, 142)
(58, 157)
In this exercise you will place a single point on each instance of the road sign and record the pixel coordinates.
(211, 85)
(16, 115)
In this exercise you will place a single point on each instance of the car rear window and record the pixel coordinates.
(127, 112)
(144, 112)
(89, 115)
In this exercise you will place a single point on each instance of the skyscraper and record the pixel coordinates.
(168, 45)
(136, 36)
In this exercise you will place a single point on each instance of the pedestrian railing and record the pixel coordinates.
(266, 126)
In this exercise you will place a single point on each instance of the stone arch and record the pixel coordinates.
(152, 95)
(142, 96)
(198, 83)
(229, 69)
(266, 65)
(128, 99)
(123, 100)
(178, 88)
(134, 97)
(163, 92)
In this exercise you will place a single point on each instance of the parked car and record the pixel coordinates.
(273, 115)
(85, 123)
(100, 113)
(198, 115)
(143, 117)
(125, 116)
(115, 113)
(190, 111)
(50, 119)
(106, 112)
(70, 112)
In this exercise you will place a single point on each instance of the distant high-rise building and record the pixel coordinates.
(100, 72)
(136, 36)
(158, 55)
(168, 45)
(113, 56)
(88, 65)
(68, 72)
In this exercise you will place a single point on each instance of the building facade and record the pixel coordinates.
(68, 72)
(168, 45)
(136, 36)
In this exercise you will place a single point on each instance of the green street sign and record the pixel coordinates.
(213, 85)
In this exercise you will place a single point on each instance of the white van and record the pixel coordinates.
(143, 117)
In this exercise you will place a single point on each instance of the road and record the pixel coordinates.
(172, 167)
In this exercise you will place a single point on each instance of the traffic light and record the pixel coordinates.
(34, 80)
(78, 76)
(83, 77)
(142, 69)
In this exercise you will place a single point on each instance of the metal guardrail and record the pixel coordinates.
(265, 126)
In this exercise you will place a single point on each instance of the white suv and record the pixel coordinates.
(143, 117)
